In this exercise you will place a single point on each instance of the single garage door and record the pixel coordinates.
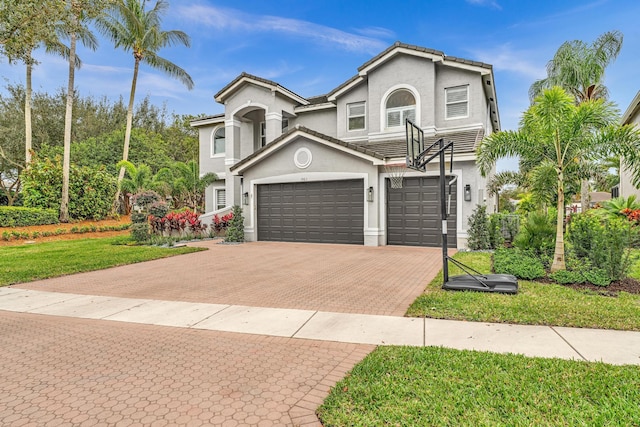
(317, 212)
(413, 213)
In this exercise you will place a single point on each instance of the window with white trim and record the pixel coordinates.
(457, 102)
(356, 116)
(221, 199)
(401, 105)
(263, 134)
(218, 141)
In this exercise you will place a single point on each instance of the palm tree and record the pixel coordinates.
(79, 12)
(555, 132)
(189, 185)
(138, 178)
(138, 31)
(579, 68)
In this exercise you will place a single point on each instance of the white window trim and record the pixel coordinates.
(364, 115)
(212, 141)
(459, 102)
(263, 133)
(383, 106)
(215, 198)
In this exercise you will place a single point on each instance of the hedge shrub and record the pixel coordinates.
(519, 263)
(91, 189)
(11, 216)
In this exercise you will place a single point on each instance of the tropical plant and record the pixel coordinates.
(579, 69)
(137, 178)
(138, 31)
(187, 186)
(619, 206)
(555, 132)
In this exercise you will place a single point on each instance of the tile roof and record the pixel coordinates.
(256, 78)
(354, 147)
(463, 142)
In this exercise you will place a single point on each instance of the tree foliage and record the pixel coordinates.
(91, 188)
(555, 134)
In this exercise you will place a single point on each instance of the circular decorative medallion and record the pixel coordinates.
(302, 158)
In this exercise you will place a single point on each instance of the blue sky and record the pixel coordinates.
(311, 47)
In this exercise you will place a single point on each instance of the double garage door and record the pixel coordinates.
(413, 213)
(333, 212)
(316, 212)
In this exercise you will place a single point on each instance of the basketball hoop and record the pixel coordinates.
(396, 173)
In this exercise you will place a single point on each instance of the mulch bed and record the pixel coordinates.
(629, 285)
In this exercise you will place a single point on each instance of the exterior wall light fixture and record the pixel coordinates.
(245, 199)
(467, 193)
(370, 194)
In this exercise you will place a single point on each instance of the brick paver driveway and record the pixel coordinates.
(338, 278)
(80, 372)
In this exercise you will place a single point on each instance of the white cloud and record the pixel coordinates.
(234, 20)
(505, 58)
(488, 3)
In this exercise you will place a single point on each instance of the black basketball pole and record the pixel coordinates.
(443, 215)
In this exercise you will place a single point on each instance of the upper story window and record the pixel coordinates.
(356, 116)
(218, 141)
(457, 102)
(285, 124)
(401, 105)
(263, 134)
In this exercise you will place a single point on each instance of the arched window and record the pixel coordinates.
(401, 105)
(218, 141)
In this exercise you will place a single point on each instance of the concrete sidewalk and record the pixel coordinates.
(615, 347)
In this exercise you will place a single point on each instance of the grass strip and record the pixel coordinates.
(25, 263)
(433, 386)
(535, 303)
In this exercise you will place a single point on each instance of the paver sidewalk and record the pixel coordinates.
(616, 347)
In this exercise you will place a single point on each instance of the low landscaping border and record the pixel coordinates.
(535, 304)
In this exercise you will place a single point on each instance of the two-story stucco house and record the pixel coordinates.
(314, 169)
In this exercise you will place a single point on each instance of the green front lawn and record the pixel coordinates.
(535, 303)
(431, 386)
(50, 259)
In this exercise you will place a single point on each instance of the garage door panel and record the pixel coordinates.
(413, 213)
(322, 212)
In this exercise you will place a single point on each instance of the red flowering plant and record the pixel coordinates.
(180, 222)
(220, 224)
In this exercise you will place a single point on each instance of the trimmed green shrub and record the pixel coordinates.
(144, 199)
(537, 234)
(496, 239)
(478, 232)
(91, 189)
(597, 276)
(566, 277)
(517, 262)
(603, 242)
(139, 217)
(235, 231)
(158, 209)
(140, 232)
(11, 216)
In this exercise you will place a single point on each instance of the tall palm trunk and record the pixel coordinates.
(558, 255)
(584, 195)
(27, 113)
(66, 160)
(127, 131)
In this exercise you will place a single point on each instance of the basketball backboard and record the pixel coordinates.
(415, 146)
